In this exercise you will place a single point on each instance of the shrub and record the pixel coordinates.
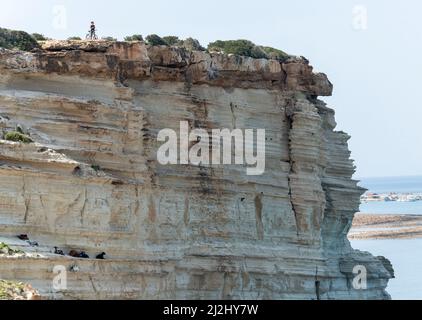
(109, 39)
(11, 39)
(238, 47)
(96, 167)
(135, 37)
(17, 137)
(9, 290)
(247, 48)
(5, 249)
(189, 43)
(275, 53)
(39, 37)
(171, 40)
(258, 53)
(155, 40)
(74, 38)
(192, 44)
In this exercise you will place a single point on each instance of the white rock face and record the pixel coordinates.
(91, 180)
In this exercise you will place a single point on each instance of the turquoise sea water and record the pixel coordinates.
(405, 255)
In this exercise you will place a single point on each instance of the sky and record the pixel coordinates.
(370, 49)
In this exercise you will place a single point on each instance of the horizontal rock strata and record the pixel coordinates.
(91, 180)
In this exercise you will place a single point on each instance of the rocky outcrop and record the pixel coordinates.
(17, 291)
(92, 182)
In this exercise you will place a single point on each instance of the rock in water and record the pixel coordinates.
(179, 231)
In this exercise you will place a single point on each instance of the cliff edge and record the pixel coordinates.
(88, 179)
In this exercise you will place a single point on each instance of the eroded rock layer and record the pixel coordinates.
(92, 182)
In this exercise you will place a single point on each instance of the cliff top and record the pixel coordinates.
(123, 61)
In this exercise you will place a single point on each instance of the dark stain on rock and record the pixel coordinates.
(76, 55)
(186, 215)
(205, 180)
(117, 183)
(200, 113)
(200, 121)
(112, 61)
(77, 171)
(258, 214)
(53, 64)
(152, 213)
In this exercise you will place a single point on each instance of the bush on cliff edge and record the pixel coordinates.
(189, 43)
(16, 136)
(39, 37)
(12, 39)
(248, 49)
(135, 37)
(155, 40)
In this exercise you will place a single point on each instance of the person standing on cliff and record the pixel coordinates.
(93, 36)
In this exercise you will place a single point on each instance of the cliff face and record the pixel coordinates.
(91, 181)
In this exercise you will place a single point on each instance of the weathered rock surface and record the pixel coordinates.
(10, 290)
(92, 181)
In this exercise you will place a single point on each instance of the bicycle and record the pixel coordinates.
(91, 35)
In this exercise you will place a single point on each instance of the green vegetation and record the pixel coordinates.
(109, 39)
(10, 290)
(239, 47)
(192, 44)
(247, 48)
(188, 44)
(135, 37)
(5, 249)
(17, 137)
(96, 167)
(39, 37)
(11, 39)
(155, 40)
(20, 40)
(274, 53)
(171, 40)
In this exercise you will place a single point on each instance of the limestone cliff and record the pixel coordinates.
(91, 180)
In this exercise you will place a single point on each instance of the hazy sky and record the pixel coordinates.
(376, 66)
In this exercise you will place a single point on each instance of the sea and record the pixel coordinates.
(405, 255)
(397, 185)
